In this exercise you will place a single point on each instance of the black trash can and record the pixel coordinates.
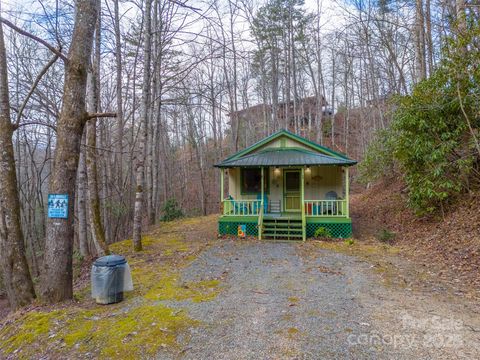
(110, 278)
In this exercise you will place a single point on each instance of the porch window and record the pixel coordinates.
(252, 179)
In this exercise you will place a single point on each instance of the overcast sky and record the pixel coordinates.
(331, 19)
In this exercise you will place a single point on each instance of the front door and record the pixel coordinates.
(291, 190)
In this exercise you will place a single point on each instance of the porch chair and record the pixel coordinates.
(257, 204)
(240, 208)
(331, 208)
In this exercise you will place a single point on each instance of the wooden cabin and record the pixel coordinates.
(285, 187)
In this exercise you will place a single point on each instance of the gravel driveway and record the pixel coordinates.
(279, 301)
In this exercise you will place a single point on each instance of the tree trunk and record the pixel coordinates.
(145, 106)
(57, 277)
(332, 117)
(428, 35)
(420, 41)
(93, 92)
(81, 211)
(16, 276)
(119, 96)
(96, 225)
(274, 58)
(232, 8)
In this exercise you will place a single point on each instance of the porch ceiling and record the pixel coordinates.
(284, 157)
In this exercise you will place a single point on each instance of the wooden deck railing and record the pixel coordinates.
(325, 208)
(241, 207)
(311, 208)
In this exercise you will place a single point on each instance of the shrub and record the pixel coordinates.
(171, 210)
(322, 232)
(349, 242)
(432, 139)
(386, 236)
(430, 144)
(378, 161)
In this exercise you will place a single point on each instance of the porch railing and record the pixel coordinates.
(325, 208)
(312, 208)
(241, 207)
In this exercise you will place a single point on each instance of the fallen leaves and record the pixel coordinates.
(448, 247)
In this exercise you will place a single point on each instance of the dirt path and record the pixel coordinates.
(201, 297)
(297, 301)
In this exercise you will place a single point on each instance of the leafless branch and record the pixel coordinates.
(101, 115)
(472, 132)
(16, 126)
(184, 5)
(36, 38)
(34, 86)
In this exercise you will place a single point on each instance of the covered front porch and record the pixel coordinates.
(281, 192)
(285, 186)
(290, 202)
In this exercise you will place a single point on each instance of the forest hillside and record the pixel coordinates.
(116, 111)
(447, 246)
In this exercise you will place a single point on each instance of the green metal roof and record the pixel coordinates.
(290, 135)
(285, 157)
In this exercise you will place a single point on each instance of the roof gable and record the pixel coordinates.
(289, 135)
(282, 156)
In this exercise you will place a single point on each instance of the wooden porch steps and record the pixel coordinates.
(282, 228)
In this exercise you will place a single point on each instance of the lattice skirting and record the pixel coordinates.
(231, 227)
(338, 230)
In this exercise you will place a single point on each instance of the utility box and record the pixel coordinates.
(110, 277)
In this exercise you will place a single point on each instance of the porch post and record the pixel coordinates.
(347, 192)
(262, 186)
(261, 210)
(302, 200)
(221, 190)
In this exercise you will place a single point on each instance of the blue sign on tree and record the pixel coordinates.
(58, 206)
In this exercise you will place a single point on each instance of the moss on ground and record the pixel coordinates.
(34, 326)
(138, 327)
(169, 288)
(293, 299)
(357, 248)
(292, 331)
(129, 334)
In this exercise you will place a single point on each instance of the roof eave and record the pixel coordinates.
(291, 135)
(225, 166)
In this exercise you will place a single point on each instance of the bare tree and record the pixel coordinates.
(93, 89)
(57, 277)
(145, 106)
(16, 275)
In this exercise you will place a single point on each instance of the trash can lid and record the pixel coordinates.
(110, 260)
